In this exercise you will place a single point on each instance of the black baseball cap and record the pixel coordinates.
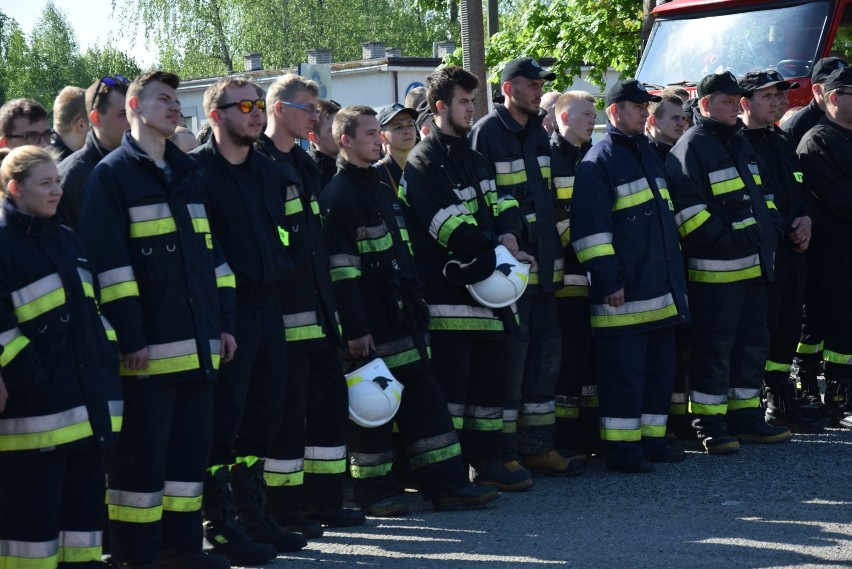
(689, 106)
(525, 67)
(388, 112)
(824, 67)
(424, 111)
(723, 82)
(838, 78)
(754, 80)
(629, 90)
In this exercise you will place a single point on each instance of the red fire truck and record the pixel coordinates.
(693, 38)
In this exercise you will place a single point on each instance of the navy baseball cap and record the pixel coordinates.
(629, 90)
(754, 80)
(388, 112)
(723, 82)
(525, 67)
(838, 78)
(825, 67)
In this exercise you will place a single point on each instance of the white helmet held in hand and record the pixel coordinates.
(505, 285)
(374, 394)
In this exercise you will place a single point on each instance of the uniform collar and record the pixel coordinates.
(716, 127)
(533, 122)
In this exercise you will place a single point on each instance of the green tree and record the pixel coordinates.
(99, 62)
(197, 38)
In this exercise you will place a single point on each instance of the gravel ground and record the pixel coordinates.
(787, 505)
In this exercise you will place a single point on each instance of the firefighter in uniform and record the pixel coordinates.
(576, 390)
(323, 150)
(624, 233)
(512, 138)
(825, 155)
(383, 313)
(62, 373)
(246, 214)
(731, 228)
(810, 347)
(792, 196)
(455, 218)
(168, 291)
(307, 465)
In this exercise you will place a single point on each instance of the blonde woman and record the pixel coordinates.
(61, 371)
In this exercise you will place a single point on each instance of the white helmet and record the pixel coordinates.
(374, 394)
(505, 285)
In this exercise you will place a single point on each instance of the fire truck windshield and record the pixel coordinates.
(686, 49)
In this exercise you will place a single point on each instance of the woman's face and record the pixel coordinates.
(39, 192)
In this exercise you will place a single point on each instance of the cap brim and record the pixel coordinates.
(785, 85)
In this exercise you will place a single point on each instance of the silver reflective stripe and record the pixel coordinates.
(9, 335)
(150, 212)
(661, 183)
(509, 167)
(105, 323)
(135, 499)
(28, 549)
(559, 264)
(183, 489)
(292, 192)
(85, 276)
(172, 349)
(742, 393)
(44, 423)
(460, 311)
(115, 407)
(115, 276)
(371, 232)
(620, 424)
(366, 459)
(743, 223)
(630, 188)
(224, 270)
(575, 280)
(443, 215)
(562, 226)
(679, 398)
(563, 181)
(510, 415)
(36, 290)
(589, 391)
(283, 466)
(723, 175)
(592, 240)
(752, 167)
(539, 408)
(544, 161)
(300, 319)
(654, 420)
(432, 443)
(633, 307)
(718, 265)
(216, 347)
(343, 260)
(395, 346)
(196, 210)
(488, 186)
(688, 213)
(325, 453)
(456, 409)
(706, 398)
(465, 194)
(481, 412)
(80, 538)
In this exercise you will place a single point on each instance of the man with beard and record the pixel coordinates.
(455, 218)
(513, 140)
(246, 214)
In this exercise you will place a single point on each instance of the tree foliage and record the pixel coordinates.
(196, 38)
(598, 33)
(40, 65)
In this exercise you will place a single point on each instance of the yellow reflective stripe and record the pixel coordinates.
(775, 366)
(691, 218)
(747, 222)
(620, 429)
(149, 220)
(510, 173)
(771, 204)
(38, 297)
(29, 554)
(181, 504)
(707, 404)
(653, 425)
(722, 271)
(12, 341)
(86, 281)
(172, 357)
(117, 283)
(804, 348)
(382, 243)
(634, 312)
(362, 472)
(225, 276)
(633, 200)
(725, 181)
(135, 515)
(29, 433)
(68, 554)
(135, 507)
(435, 456)
(446, 220)
(836, 357)
(277, 472)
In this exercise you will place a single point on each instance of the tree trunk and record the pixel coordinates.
(473, 51)
(225, 53)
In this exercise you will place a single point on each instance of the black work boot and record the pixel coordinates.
(810, 403)
(494, 473)
(713, 434)
(750, 425)
(838, 397)
(250, 499)
(221, 529)
(782, 410)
